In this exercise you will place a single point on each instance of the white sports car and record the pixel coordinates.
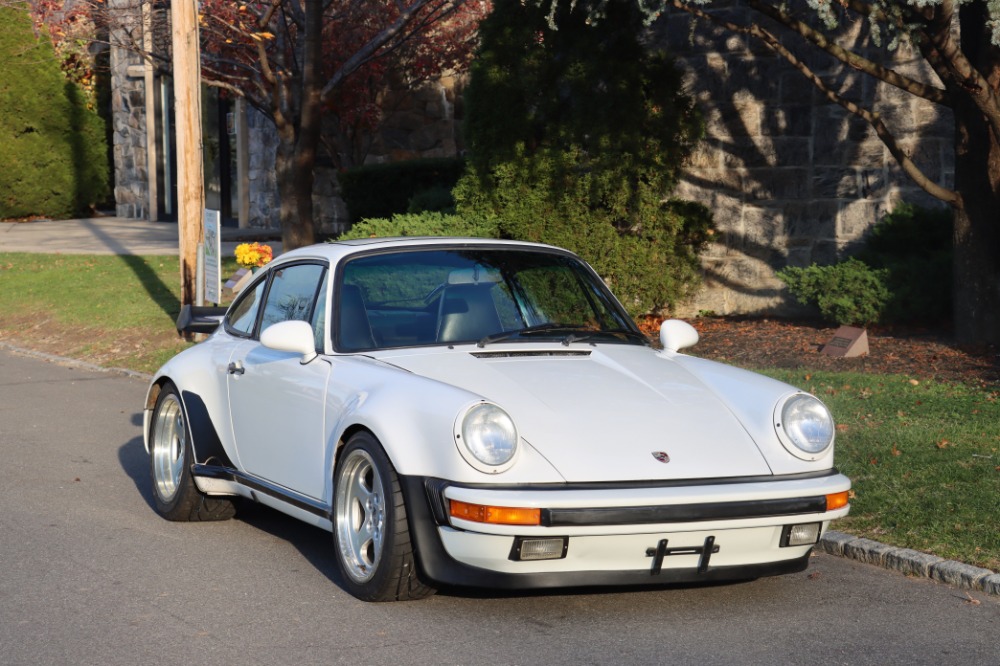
(485, 413)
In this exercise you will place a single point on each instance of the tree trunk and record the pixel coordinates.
(298, 141)
(293, 186)
(977, 216)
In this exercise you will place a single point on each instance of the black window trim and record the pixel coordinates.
(267, 276)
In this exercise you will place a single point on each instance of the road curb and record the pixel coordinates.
(73, 363)
(911, 562)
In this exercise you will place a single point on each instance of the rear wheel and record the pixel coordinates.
(171, 455)
(371, 533)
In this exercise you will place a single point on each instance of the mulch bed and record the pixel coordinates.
(778, 343)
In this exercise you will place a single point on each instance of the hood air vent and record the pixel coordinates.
(528, 354)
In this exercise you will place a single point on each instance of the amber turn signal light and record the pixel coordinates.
(836, 501)
(497, 515)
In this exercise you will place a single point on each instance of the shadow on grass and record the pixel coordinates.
(157, 289)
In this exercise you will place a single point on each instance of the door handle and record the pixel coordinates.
(236, 368)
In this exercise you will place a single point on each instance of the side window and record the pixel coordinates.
(243, 315)
(292, 294)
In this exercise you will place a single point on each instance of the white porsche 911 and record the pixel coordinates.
(485, 413)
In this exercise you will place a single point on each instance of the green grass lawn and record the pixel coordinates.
(923, 456)
(116, 311)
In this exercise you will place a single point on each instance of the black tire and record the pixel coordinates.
(371, 535)
(170, 458)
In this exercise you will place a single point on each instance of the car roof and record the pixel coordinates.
(337, 250)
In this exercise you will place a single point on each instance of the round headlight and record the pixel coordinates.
(805, 426)
(487, 438)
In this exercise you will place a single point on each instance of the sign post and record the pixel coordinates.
(213, 256)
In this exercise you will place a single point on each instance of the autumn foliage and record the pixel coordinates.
(251, 48)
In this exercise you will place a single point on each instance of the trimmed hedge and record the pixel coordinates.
(428, 223)
(383, 190)
(848, 293)
(52, 147)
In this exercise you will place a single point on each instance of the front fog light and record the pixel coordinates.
(550, 548)
(800, 535)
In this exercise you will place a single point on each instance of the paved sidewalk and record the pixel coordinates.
(107, 235)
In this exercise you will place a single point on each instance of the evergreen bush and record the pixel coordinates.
(914, 246)
(421, 224)
(848, 293)
(52, 147)
(383, 190)
(576, 138)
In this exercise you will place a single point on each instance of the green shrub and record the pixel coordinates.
(848, 293)
(576, 138)
(382, 190)
(421, 224)
(434, 199)
(52, 147)
(649, 266)
(914, 246)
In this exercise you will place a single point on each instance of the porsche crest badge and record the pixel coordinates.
(661, 456)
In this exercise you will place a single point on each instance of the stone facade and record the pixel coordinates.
(262, 187)
(128, 114)
(792, 177)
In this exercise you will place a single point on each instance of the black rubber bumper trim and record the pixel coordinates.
(439, 568)
(682, 513)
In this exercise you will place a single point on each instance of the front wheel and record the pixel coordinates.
(371, 533)
(170, 458)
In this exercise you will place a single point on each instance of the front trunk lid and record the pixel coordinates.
(607, 413)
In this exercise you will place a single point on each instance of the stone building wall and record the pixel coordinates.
(791, 177)
(262, 187)
(128, 114)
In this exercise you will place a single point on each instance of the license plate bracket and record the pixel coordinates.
(706, 550)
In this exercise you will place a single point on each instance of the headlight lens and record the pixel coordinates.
(488, 435)
(807, 425)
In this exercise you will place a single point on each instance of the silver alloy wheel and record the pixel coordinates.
(360, 515)
(169, 445)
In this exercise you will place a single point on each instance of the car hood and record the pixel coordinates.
(603, 413)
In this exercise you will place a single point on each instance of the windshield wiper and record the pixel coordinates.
(531, 330)
(627, 334)
(576, 334)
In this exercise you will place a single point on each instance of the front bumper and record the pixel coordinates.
(620, 534)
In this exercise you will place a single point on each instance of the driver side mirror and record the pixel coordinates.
(291, 336)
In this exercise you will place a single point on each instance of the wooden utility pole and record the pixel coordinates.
(187, 118)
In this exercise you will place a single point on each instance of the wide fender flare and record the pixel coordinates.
(204, 403)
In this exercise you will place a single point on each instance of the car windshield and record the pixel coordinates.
(474, 295)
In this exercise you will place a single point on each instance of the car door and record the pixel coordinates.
(276, 401)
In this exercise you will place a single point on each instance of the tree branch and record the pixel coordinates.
(888, 139)
(371, 48)
(966, 75)
(851, 59)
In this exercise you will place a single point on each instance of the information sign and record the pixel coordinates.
(213, 257)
